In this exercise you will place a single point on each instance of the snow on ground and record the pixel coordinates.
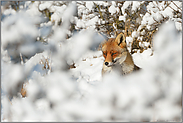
(56, 93)
(89, 66)
(143, 59)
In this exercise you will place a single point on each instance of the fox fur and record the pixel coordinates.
(117, 56)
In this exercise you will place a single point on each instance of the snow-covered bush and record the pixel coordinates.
(49, 51)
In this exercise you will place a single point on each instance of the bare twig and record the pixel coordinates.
(99, 10)
(22, 62)
(177, 6)
(172, 8)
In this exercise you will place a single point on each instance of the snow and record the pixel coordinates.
(80, 24)
(168, 30)
(125, 6)
(166, 111)
(102, 3)
(84, 66)
(15, 74)
(122, 18)
(81, 40)
(129, 41)
(135, 34)
(89, 5)
(178, 26)
(135, 6)
(45, 5)
(21, 27)
(71, 9)
(57, 94)
(9, 11)
(55, 17)
(92, 22)
(158, 16)
(143, 59)
(33, 9)
(113, 9)
(167, 12)
(45, 30)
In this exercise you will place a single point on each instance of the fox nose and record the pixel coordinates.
(106, 63)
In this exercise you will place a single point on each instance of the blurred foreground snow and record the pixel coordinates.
(56, 93)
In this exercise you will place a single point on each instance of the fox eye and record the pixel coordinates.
(105, 54)
(115, 53)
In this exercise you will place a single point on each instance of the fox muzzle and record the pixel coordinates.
(108, 64)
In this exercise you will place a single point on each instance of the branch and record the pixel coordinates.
(177, 6)
(99, 11)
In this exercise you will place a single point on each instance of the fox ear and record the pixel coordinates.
(120, 40)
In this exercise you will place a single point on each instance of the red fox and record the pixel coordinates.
(117, 56)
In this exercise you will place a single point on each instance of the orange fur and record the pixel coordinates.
(117, 56)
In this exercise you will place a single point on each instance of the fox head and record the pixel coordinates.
(114, 50)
